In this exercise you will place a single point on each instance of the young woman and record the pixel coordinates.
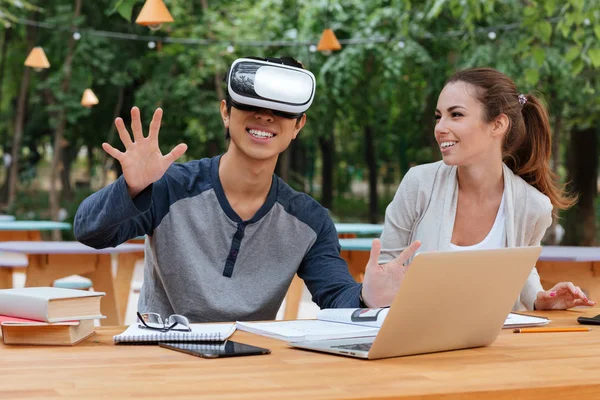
(494, 187)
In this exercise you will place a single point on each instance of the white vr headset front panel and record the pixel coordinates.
(297, 86)
(272, 86)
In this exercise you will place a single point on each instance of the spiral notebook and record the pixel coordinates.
(200, 333)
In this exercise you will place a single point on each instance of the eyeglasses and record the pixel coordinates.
(154, 321)
(245, 107)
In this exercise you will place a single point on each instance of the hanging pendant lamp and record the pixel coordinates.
(89, 99)
(154, 14)
(328, 41)
(37, 59)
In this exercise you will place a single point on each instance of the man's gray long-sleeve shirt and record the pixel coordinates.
(203, 261)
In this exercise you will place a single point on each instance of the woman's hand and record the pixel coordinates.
(562, 296)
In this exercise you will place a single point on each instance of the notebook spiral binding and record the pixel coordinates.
(152, 338)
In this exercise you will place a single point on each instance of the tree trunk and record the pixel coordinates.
(60, 131)
(556, 159)
(298, 161)
(283, 165)
(311, 155)
(428, 123)
(556, 133)
(90, 165)
(5, 40)
(107, 161)
(371, 161)
(65, 182)
(68, 156)
(17, 138)
(582, 165)
(214, 145)
(4, 134)
(369, 143)
(19, 122)
(327, 153)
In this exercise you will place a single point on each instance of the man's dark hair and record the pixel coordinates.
(292, 62)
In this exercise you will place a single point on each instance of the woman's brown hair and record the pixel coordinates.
(528, 142)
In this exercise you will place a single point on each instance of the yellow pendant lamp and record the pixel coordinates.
(37, 59)
(154, 14)
(89, 99)
(328, 41)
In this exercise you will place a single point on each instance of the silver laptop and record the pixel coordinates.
(447, 301)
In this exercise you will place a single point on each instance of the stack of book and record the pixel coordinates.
(48, 315)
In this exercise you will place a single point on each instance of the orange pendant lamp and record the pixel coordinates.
(328, 41)
(154, 14)
(37, 59)
(89, 99)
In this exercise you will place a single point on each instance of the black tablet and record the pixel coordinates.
(228, 348)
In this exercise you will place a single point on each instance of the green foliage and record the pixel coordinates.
(124, 8)
(392, 85)
(11, 10)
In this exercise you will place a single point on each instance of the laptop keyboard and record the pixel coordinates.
(359, 347)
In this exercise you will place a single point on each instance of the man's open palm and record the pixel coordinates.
(382, 281)
(142, 162)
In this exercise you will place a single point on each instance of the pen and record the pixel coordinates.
(541, 330)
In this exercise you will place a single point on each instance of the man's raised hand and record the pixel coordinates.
(142, 162)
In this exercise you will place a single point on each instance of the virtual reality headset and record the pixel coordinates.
(287, 91)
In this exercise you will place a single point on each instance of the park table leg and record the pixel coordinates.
(357, 261)
(102, 281)
(6, 277)
(126, 266)
(293, 297)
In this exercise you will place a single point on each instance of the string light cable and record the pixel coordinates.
(490, 31)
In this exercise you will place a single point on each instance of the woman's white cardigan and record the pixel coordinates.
(424, 208)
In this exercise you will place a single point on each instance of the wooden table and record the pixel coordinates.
(28, 230)
(49, 261)
(517, 366)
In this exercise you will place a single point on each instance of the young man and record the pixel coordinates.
(225, 235)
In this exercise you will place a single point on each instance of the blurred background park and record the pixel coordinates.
(372, 117)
